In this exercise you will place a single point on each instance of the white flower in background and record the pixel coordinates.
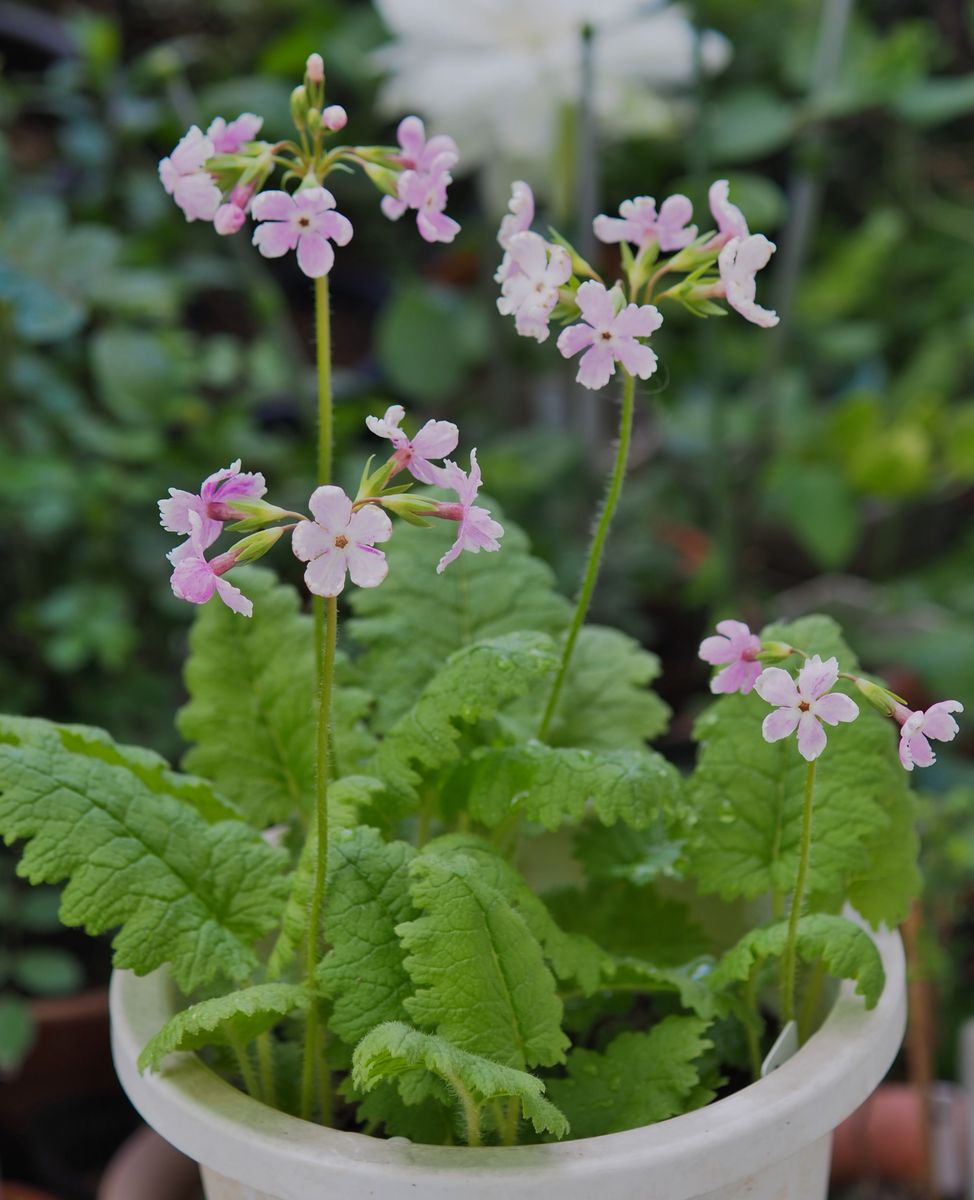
(499, 73)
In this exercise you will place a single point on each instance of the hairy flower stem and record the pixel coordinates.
(596, 549)
(789, 963)
(314, 1055)
(325, 423)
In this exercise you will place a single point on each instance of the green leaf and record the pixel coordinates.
(233, 1020)
(747, 796)
(933, 101)
(555, 786)
(427, 1122)
(480, 973)
(368, 896)
(847, 951)
(620, 851)
(417, 619)
(47, 971)
(473, 683)
(747, 124)
(345, 798)
(17, 1032)
(816, 503)
(395, 1050)
(185, 892)
(641, 1078)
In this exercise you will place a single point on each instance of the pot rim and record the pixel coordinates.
(796, 1105)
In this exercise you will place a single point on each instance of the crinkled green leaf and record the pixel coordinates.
(691, 982)
(747, 795)
(345, 798)
(846, 950)
(620, 851)
(417, 619)
(641, 1078)
(234, 1019)
(555, 786)
(428, 1122)
(368, 896)
(480, 974)
(470, 686)
(395, 1050)
(183, 891)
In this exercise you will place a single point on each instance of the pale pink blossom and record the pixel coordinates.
(918, 727)
(194, 579)
(339, 541)
(230, 216)
(609, 337)
(214, 503)
(436, 439)
(184, 178)
(519, 217)
(530, 290)
(731, 222)
(229, 138)
(739, 648)
(639, 223)
(738, 262)
(315, 68)
(478, 529)
(423, 183)
(804, 704)
(305, 221)
(334, 118)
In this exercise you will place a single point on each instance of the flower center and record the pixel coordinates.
(341, 541)
(804, 706)
(606, 335)
(304, 222)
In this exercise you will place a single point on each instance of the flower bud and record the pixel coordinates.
(878, 697)
(299, 107)
(384, 179)
(315, 68)
(412, 509)
(772, 652)
(249, 549)
(253, 514)
(313, 120)
(334, 118)
(228, 220)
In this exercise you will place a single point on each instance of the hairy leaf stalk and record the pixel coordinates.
(789, 963)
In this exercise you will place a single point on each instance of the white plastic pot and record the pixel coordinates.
(769, 1141)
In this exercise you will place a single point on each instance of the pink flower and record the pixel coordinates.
(639, 223)
(423, 183)
(229, 217)
(739, 648)
(184, 179)
(919, 727)
(436, 439)
(306, 221)
(530, 290)
(739, 262)
(334, 118)
(478, 529)
(228, 139)
(213, 505)
(339, 540)
(194, 579)
(609, 336)
(518, 220)
(730, 220)
(804, 705)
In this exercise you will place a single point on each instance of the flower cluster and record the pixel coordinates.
(221, 176)
(339, 539)
(541, 280)
(806, 702)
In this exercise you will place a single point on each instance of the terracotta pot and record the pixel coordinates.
(148, 1168)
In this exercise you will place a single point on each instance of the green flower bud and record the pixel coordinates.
(249, 549)
(299, 107)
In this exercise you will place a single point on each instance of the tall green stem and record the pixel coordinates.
(789, 962)
(325, 425)
(314, 1057)
(597, 547)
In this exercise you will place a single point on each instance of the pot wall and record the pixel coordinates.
(770, 1141)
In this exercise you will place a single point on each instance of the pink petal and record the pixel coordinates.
(331, 508)
(480, 531)
(717, 650)
(436, 439)
(919, 751)
(451, 556)
(596, 367)
(337, 227)
(532, 320)
(168, 175)
(309, 540)
(904, 751)
(817, 677)
(275, 238)
(387, 426)
(272, 206)
(369, 524)
(637, 321)
(366, 565)
(674, 229)
(730, 220)
(777, 687)
(811, 737)
(737, 631)
(192, 151)
(740, 676)
(313, 200)
(638, 359)
(174, 512)
(228, 220)
(595, 304)
(198, 196)
(325, 575)
(193, 580)
(468, 490)
(392, 207)
(242, 485)
(559, 269)
(436, 226)
(937, 722)
(315, 255)
(836, 707)
(411, 136)
(780, 724)
(610, 229)
(520, 215)
(575, 338)
(234, 598)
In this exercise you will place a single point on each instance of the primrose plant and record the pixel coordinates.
(346, 883)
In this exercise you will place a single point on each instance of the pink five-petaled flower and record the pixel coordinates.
(638, 222)
(739, 262)
(805, 704)
(213, 505)
(436, 439)
(339, 540)
(739, 649)
(228, 138)
(478, 529)
(519, 217)
(918, 727)
(731, 222)
(230, 217)
(194, 579)
(424, 180)
(183, 177)
(530, 290)
(304, 221)
(610, 336)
